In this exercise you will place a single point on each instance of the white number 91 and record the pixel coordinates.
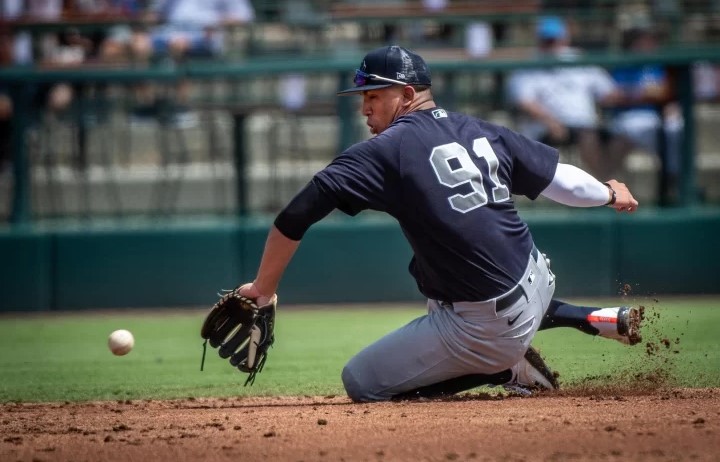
(468, 172)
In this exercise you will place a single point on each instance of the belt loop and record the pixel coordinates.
(509, 299)
(518, 291)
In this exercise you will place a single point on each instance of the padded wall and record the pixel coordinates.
(593, 253)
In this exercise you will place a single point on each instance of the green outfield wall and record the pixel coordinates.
(363, 259)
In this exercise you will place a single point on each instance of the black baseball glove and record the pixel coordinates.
(241, 330)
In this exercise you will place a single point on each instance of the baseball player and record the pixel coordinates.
(448, 179)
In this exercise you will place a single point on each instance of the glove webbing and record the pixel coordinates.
(251, 376)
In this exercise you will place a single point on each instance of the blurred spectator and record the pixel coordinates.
(561, 105)
(435, 5)
(190, 28)
(478, 39)
(17, 49)
(116, 46)
(10, 10)
(74, 46)
(185, 29)
(646, 114)
(67, 47)
(70, 46)
(292, 90)
(706, 77)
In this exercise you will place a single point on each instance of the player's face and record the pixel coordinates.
(381, 107)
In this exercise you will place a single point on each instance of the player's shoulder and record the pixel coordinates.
(444, 116)
(381, 145)
(428, 121)
(483, 125)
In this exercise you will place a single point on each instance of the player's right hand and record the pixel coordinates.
(624, 200)
(558, 132)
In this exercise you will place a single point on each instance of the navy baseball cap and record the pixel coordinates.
(386, 66)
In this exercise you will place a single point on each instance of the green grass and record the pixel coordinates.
(690, 358)
(65, 357)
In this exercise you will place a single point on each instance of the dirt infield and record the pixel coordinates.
(676, 424)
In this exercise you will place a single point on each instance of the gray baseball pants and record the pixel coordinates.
(453, 339)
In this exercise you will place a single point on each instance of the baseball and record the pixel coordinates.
(121, 342)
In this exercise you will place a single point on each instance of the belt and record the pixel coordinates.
(514, 295)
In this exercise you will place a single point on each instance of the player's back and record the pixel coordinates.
(456, 175)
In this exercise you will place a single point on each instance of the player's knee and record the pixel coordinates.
(355, 389)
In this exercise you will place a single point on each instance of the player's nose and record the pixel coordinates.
(365, 108)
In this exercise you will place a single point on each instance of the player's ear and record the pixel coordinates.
(408, 93)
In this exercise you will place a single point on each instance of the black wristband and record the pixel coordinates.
(613, 198)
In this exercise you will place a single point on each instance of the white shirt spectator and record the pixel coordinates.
(569, 93)
(206, 12)
(196, 24)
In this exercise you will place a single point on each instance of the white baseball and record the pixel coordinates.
(121, 342)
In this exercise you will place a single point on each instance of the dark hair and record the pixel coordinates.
(420, 88)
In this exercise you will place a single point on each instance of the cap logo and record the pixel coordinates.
(401, 76)
(364, 65)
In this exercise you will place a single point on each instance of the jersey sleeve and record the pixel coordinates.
(534, 164)
(308, 207)
(356, 179)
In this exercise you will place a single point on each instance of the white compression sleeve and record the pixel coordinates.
(575, 187)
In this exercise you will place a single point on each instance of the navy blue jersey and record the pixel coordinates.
(448, 178)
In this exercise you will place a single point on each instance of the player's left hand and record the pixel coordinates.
(624, 200)
(250, 290)
(242, 328)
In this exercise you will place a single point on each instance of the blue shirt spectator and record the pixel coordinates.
(646, 114)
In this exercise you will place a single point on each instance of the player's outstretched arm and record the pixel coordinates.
(577, 188)
(279, 250)
(309, 206)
